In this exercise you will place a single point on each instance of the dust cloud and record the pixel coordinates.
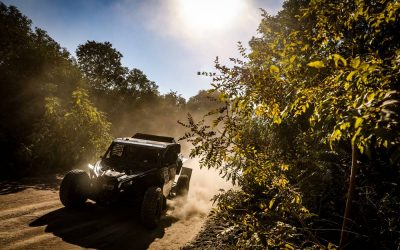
(204, 184)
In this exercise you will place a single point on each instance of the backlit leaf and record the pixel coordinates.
(355, 63)
(316, 64)
(350, 75)
(274, 70)
(358, 122)
(337, 58)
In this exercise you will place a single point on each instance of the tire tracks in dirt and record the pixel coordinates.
(34, 218)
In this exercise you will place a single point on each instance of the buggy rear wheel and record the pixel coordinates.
(182, 186)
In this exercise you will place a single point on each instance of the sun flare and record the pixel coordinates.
(209, 15)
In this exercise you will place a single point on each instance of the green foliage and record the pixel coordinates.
(47, 120)
(320, 76)
(101, 64)
(70, 133)
(138, 87)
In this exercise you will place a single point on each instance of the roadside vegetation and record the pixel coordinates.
(310, 129)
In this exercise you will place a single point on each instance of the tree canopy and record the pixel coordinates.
(101, 64)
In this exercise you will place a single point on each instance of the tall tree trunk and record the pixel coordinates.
(350, 192)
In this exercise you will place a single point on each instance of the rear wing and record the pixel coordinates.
(154, 138)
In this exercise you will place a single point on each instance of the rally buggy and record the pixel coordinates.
(142, 168)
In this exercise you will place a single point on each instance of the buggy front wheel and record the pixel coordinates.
(152, 207)
(74, 188)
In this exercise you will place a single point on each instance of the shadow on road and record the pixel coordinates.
(50, 182)
(99, 227)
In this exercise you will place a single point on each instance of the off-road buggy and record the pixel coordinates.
(142, 169)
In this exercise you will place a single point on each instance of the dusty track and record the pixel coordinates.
(32, 217)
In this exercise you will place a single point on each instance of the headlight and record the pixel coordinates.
(96, 169)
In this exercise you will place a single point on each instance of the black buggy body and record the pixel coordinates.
(141, 169)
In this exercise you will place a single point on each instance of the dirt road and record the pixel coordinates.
(32, 217)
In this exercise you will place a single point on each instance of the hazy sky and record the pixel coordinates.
(170, 40)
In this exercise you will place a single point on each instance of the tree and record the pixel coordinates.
(204, 101)
(101, 64)
(174, 99)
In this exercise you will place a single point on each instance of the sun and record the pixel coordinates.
(209, 15)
